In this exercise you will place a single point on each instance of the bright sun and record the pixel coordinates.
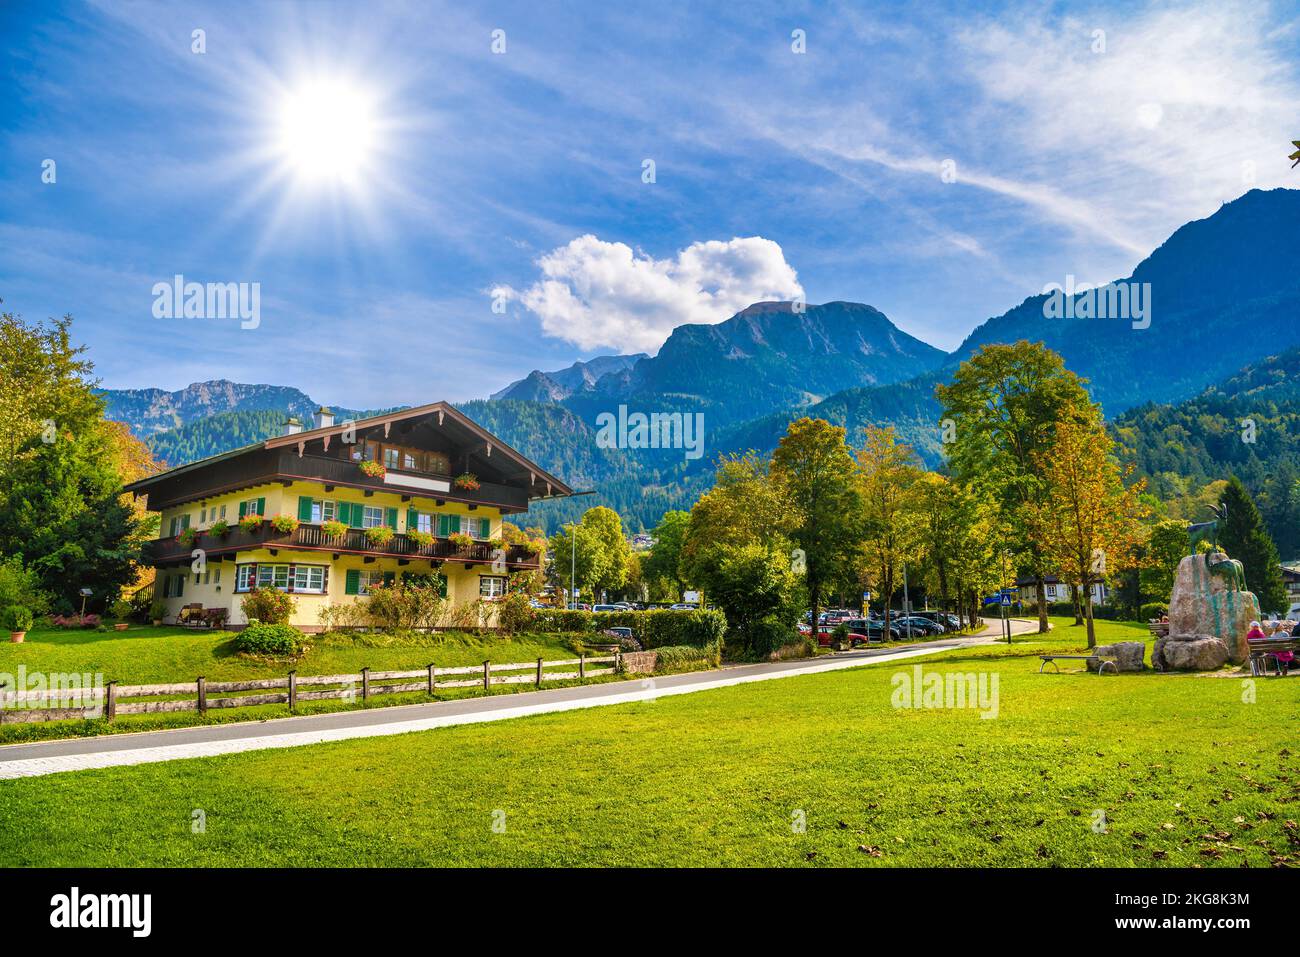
(326, 130)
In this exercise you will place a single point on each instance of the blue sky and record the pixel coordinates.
(940, 164)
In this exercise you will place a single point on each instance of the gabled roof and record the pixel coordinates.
(444, 411)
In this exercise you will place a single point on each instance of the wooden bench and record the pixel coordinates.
(1101, 668)
(1261, 649)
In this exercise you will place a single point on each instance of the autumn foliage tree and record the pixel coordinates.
(1088, 522)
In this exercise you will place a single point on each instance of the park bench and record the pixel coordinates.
(1261, 649)
(1103, 659)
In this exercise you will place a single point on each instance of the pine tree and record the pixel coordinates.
(1244, 538)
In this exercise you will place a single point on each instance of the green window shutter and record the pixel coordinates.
(412, 519)
(261, 506)
(185, 521)
(304, 508)
(353, 584)
(456, 525)
(390, 518)
(180, 585)
(444, 526)
(342, 512)
(243, 509)
(357, 517)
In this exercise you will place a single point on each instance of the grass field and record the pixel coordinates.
(1185, 771)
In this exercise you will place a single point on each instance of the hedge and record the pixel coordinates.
(654, 629)
(271, 640)
(685, 658)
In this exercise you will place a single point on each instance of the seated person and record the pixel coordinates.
(1256, 633)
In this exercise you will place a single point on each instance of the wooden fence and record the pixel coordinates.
(202, 695)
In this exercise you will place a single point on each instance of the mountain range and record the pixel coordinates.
(1223, 299)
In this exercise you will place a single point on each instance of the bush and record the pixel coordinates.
(405, 606)
(121, 609)
(1153, 611)
(685, 658)
(75, 621)
(271, 640)
(269, 606)
(514, 613)
(18, 586)
(18, 618)
(654, 629)
(157, 610)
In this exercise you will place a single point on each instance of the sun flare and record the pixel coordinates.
(326, 130)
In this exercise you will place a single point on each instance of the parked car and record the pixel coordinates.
(865, 630)
(917, 624)
(949, 622)
(606, 608)
(683, 606)
(624, 636)
(580, 606)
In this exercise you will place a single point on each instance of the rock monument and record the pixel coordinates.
(1210, 610)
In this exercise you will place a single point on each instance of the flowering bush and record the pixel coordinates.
(284, 524)
(421, 539)
(333, 528)
(250, 523)
(534, 546)
(372, 469)
(461, 540)
(379, 535)
(467, 481)
(269, 606)
(219, 528)
(75, 621)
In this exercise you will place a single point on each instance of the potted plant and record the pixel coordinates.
(333, 528)
(462, 540)
(466, 481)
(188, 536)
(219, 528)
(250, 522)
(379, 535)
(372, 469)
(19, 619)
(157, 612)
(422, 540)
(121, 610)
(285, 524)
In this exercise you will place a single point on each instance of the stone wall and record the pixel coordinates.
(640, 662)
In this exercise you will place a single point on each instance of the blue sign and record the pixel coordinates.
(1006, 598)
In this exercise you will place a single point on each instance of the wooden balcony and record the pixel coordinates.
(169, 551)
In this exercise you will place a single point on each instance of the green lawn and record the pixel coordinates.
(1185, 771)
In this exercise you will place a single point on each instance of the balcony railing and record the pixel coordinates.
(164, 551)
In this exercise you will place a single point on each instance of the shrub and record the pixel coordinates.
(219, 528)
(75, 621)
(271, 640)
(333, 528)
(269, 606)
(19, 586)
(1153, 611)
(121, 609)
(514, 613)
(654, 629)
(379, 535)
(284, 524)
(347, 615)
(404, 606)
(419, 538)
(672, 658)
(251, 522)
(18, 618)
(158, 611)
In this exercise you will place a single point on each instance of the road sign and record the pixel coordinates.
(1006, 598)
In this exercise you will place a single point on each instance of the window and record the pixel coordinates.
(245, 575)
(203, 516)
(391, 458)
(223, 511)
(423, 522)
(491, 586)
(252, 506)
(179, 523)
(273, 576)
(323, 511)
(373, 517)
(370, 578)
(409, 461)
(216, 576)
(173, 586)
(309, 578)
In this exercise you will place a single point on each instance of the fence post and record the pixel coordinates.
(203, 696)
(539, 672)
(293, 690)
(487, 676)
(582, 666)
(365, 684)
(110, 708)
(431, 679)
(618, 661)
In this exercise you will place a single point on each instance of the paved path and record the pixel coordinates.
(74, 754)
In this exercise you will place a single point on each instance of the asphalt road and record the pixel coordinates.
(72, 754)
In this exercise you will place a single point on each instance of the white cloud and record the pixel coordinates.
(595, 293)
